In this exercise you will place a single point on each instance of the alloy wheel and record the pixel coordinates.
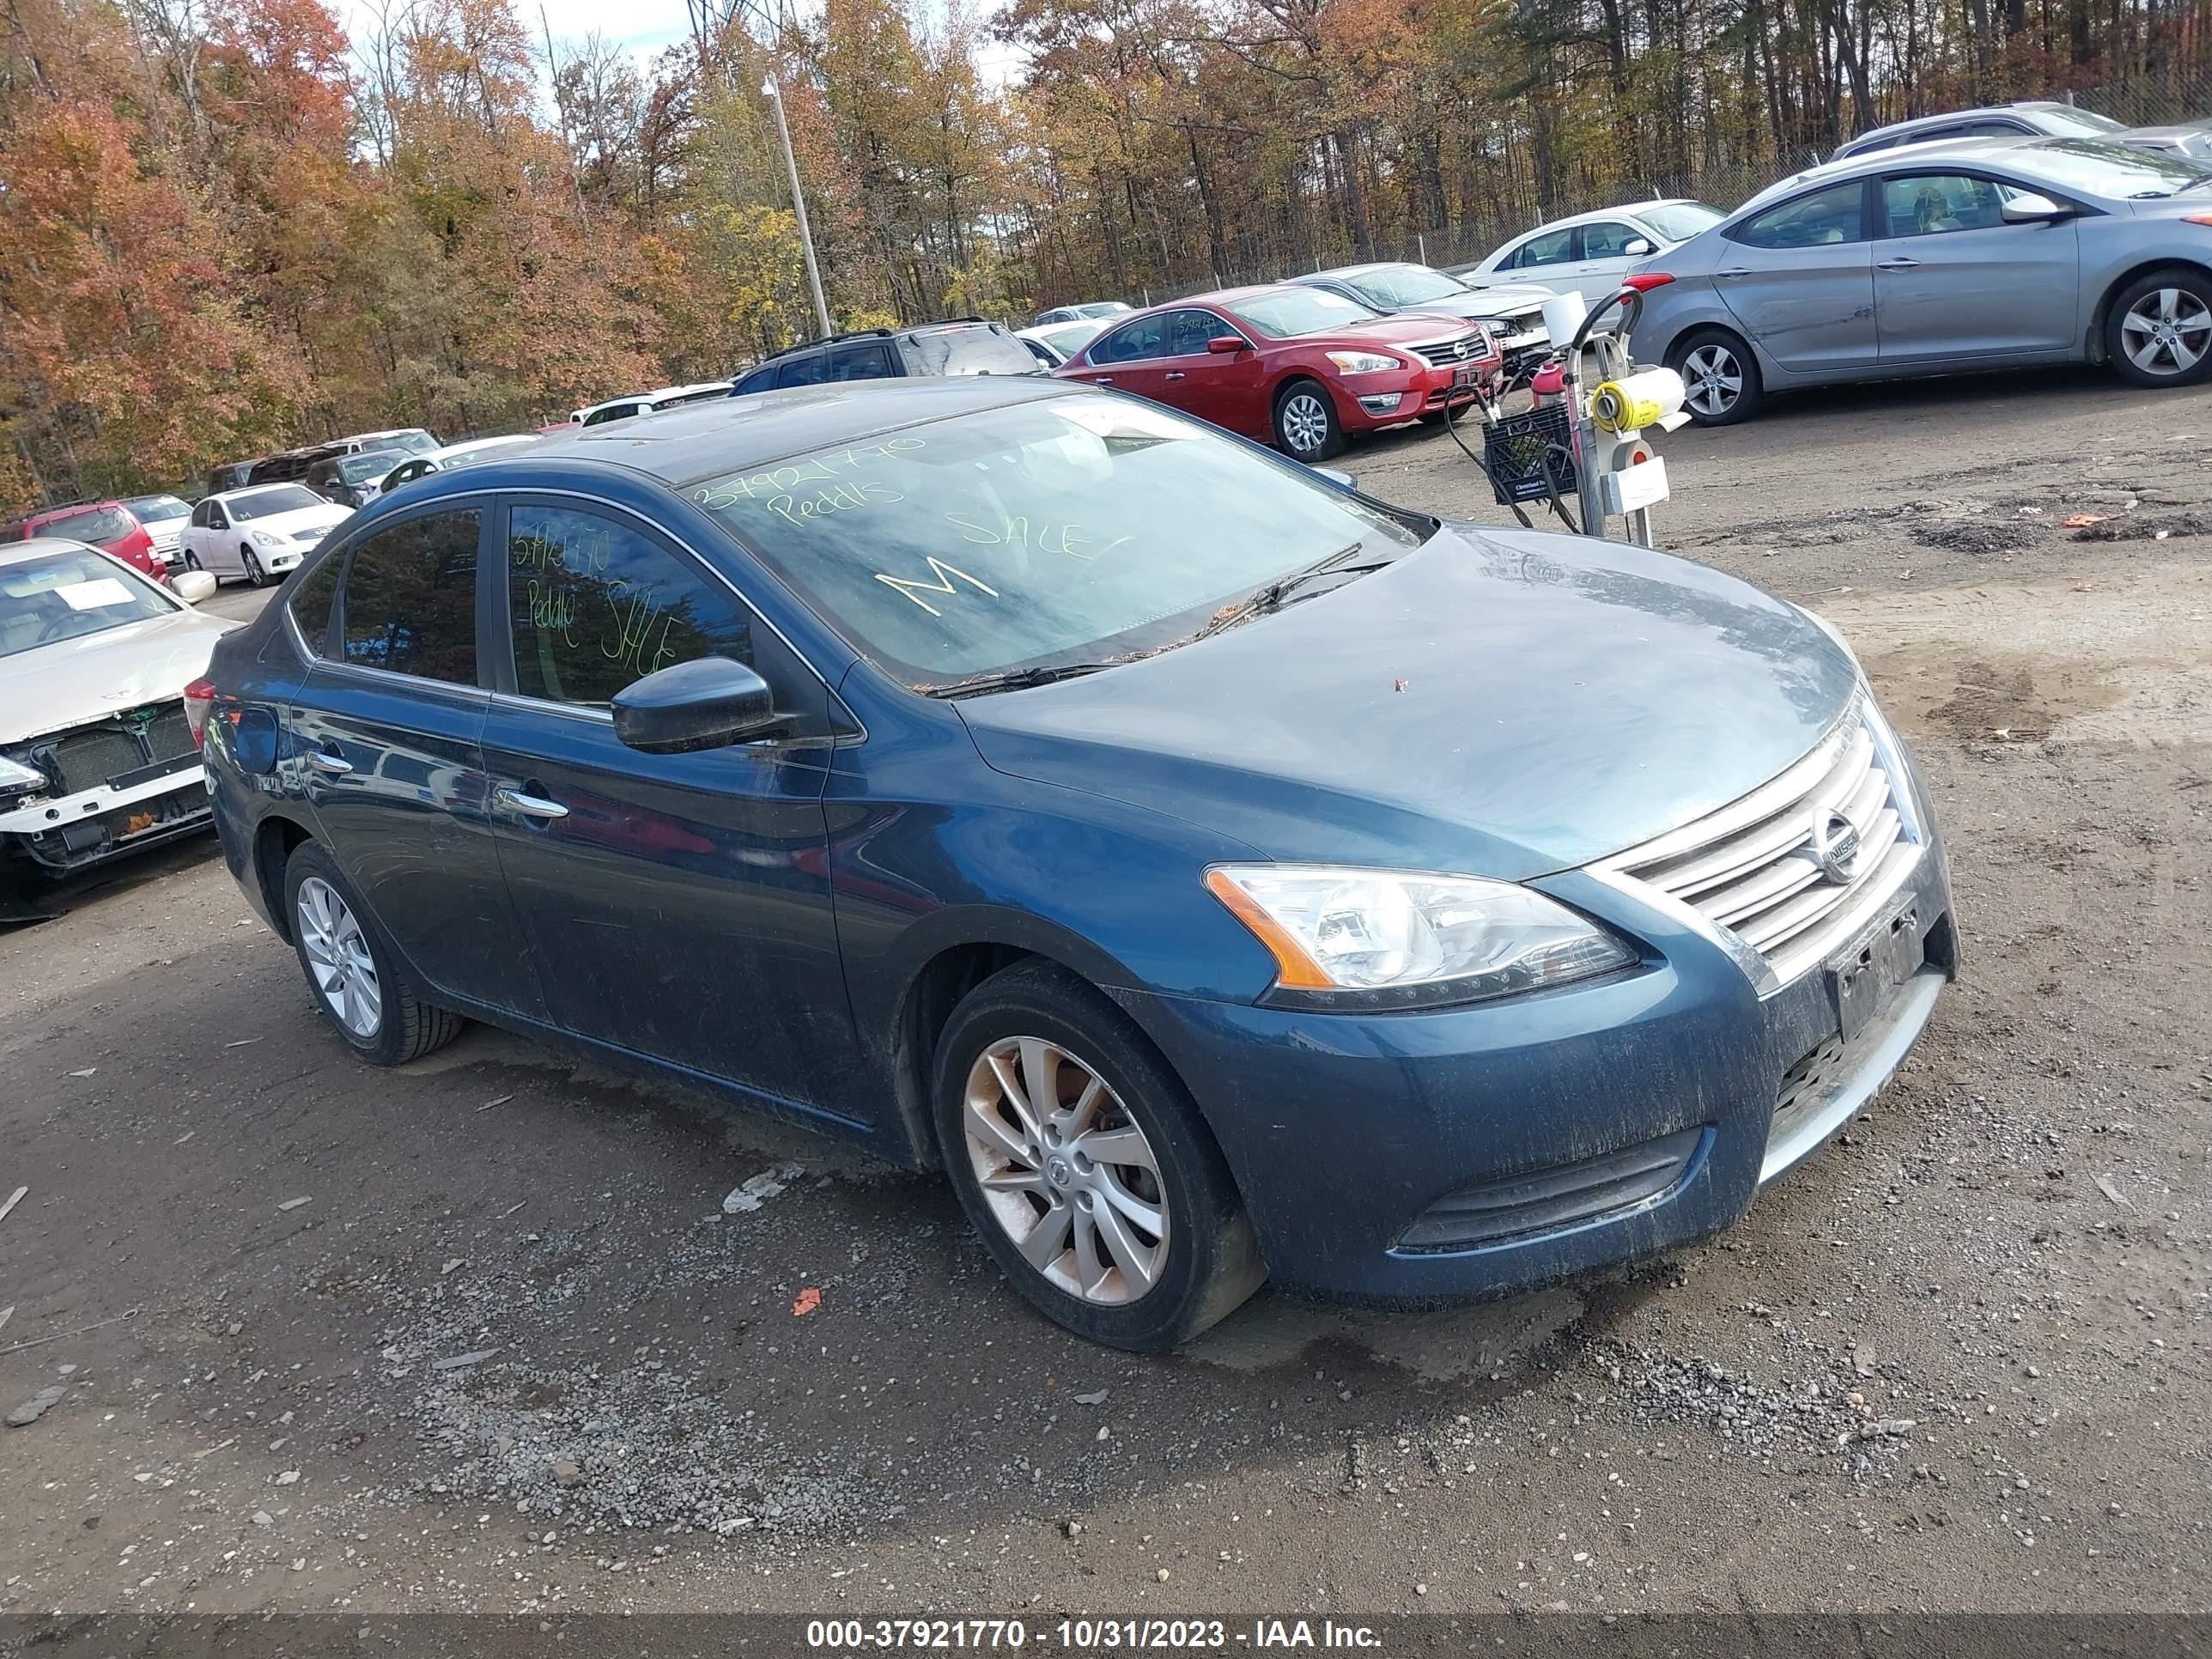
(339, 958)
(1712, 380)
(1065, 1170)
(1306, 422)
(253, 571)
(2168, 331)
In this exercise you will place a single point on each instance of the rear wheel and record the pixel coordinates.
(1306, 427)
(355, 977)
(1085, 1166)
(2158, 330)
(254, 572)
(1720, 378)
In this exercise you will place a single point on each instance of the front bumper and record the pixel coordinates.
(1366, 402)
(1416, 1159)
(60, 834)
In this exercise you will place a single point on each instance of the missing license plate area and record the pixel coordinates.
(1862, 976)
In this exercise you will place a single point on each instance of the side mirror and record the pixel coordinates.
(1228, 343)
(191, 586)
(2029, 208)
(1338, 476)
(1638, 248)
(705, 703)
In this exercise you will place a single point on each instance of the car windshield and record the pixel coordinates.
(266, 503)
(1068, 338)
(413, 440)
(2098, 166)
(1395, 287)
(66, 596)
(369, 464)
(1678, 221)
(95, 523)
(1286, 313)
(157, 509)
(2088, 123)
(1048, 532)
(1101, 308)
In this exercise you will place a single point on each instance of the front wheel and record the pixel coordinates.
(1720, 378)
(2158, 330)
(255, 575)
(355, 977)
(1306, 427)
(1085, 1166)
(192, 560)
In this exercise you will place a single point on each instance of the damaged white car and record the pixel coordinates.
(97, 758)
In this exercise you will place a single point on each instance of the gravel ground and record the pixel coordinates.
(510, 1352)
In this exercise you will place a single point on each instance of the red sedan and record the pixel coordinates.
(107, 525)
(1297, 368)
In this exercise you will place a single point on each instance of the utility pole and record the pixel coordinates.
(798, 205)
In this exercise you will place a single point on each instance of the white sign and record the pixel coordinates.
(95, 595)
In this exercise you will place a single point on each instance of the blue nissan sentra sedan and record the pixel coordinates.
(1221, 874)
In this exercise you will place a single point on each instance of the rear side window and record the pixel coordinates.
(312, 596)
(759, 381)
(411, 599)
(597, 605)
(1836, 214)
(1553, 247)
(978, 348)
(1133, 343)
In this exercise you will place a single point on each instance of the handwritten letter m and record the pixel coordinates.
(915, 589)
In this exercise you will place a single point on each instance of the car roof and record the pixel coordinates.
(1966, 149)
(256, 489)
(71, 507)
(1362, 270)
(680, 446)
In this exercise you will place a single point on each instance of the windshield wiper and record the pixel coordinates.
(1278, 593)
(1014, 679)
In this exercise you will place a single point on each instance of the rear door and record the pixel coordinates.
(1951, 280)
(680, 903)
(385, 745)
(1800, 277)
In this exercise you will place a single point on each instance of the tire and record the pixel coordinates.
(1712, 357)
(402, 1026)
(2158, 329)
(1192, 1267)
(255, 575)
(192, 560)
(1305, 414)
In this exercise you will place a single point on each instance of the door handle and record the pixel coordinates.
(531, 806)
(1175, 374)
(323, 761)
(1734, 270)
(1898, 263)
(1104, 379)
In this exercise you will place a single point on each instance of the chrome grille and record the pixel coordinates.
(1442, 354)
(1754, 868)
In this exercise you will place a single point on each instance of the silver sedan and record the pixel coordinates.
(1942, 258)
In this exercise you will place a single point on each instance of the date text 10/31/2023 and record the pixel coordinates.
(1087, 1636)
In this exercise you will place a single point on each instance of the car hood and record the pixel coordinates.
(53, 687)
(300, 518)
(1505, 299)
(1494, 703)
(1404, 328)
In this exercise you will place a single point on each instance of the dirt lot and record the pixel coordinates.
(1957, 1360)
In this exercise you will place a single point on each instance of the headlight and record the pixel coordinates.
(1391, 938)
(16, 777)
(1364, 362)
(268, 538)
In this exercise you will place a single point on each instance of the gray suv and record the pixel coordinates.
(1939, 259)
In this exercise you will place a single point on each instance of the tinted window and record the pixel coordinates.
(802, 371)
(596, 604)
(613, 412)
(1189, 331)
(1058, 530)
(1609, 240)
(99, 524)
(1836, 214)
(981, 348)
(411, 601)
(1989, 130)
(759, 381)
(1927, 204)
(1134, 342)
(1553, 247)
(311, 599)
(872, 361)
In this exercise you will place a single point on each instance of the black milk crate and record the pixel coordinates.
(1514, 449)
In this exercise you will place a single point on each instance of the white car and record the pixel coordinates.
(258, 533)
(1060, 341)
(1102, 310)
(164, 518)
(1591, 252)
(646, 402)
(445, 459)
(97, 753)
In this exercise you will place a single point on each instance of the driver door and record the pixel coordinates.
(1953, 281)
(218, 545)
(1224, 387)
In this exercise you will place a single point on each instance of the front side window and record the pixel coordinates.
(267, 503)
(66, 596)
(596, 604)
(1040, 533)
(1609, 240)
(411, 599)
(1189, 331)
(1551, 247)
(1929, 203)
(1836, 214)
(1287, 313)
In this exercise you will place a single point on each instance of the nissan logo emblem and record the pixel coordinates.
(1833, 847)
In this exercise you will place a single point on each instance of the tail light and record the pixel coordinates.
(200, 698)
(1644, 281)
(2196, 218)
